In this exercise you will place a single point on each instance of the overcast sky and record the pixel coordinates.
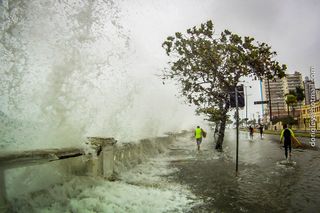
(290, 27)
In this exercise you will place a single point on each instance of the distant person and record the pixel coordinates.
(286, 134)
(199, 133)
(261, 131)
(251, 132)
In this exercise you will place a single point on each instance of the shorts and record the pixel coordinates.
(199, 140)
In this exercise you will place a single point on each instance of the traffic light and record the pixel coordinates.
(240, 92)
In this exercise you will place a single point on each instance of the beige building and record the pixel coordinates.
(276, 90)
(308, 86)
(318, 94)
(305, 116)
(293, 80)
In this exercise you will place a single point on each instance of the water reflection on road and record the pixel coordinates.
(264, 184)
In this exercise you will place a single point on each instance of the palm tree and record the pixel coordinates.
(290, 100)
(300, 95)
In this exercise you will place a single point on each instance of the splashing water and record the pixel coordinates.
(69, 70)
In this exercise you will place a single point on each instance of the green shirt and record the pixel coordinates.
(281, 135)
(198, 133)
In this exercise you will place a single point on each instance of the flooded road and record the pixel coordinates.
(182, 179)
(264, 183)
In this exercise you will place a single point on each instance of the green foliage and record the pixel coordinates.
(214, 115)
(229, 121)
(291, 99)
(292, 92)
(252, 122)
(300, 94)
(285, 120)
(207, 66)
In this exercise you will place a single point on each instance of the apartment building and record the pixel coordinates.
(276, 90)
(318, 94)
(294, 80)
(308, 87)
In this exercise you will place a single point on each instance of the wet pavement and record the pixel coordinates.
(265, 183)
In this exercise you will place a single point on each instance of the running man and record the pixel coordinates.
(198, 133)
(261, 131)
(286, 134)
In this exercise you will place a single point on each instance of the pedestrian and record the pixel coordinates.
(199, 133)
(286, 134)
(261, 131)
(251, 132)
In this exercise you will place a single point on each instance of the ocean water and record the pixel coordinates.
(146, 187)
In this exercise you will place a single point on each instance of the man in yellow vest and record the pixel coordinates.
(287, 135)
(198, 133)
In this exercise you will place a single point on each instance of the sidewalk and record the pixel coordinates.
(302, 137)
(298, 133)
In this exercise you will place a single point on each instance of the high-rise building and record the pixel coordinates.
(274, 90)
(308, 87)
(294, 80)
(277, 89)
(318, 94)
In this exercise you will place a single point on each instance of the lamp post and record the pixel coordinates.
(270, 107)
(246, 104)
(237, 123)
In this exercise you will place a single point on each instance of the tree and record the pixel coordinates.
(252, 122)
(300, 94)
(291, 99)
(300, 97)
(243, 122)
(208, 67)
(285, 120)
(214, 116)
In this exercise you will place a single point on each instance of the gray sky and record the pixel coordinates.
(290, 27)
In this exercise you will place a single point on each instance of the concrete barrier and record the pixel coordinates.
(3, 197)
(103, 163)
(106, 160)
(58, 164)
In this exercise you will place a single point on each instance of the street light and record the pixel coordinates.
(270, 107)
(246, 103)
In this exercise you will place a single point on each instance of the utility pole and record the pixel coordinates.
(237, 124)
(270, 108)
(246, 103)
(246, 106)
(236, 95)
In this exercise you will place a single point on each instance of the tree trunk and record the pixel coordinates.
(222, 128)
(293, 110)
(216, 128)
(221, 133)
